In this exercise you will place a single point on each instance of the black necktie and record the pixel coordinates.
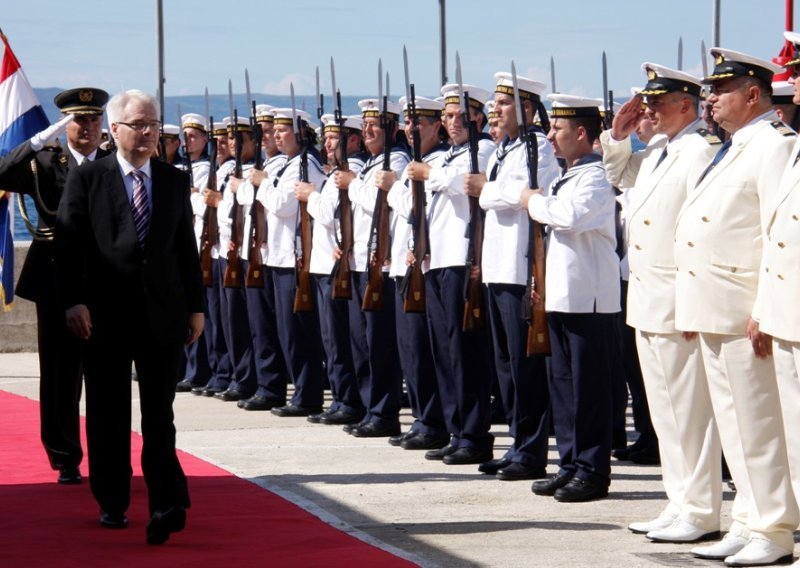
(661, 158)
(717, 159)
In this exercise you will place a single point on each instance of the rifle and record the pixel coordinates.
(303, 299)
(210, 234)
(233, 272)
(256, 235)
(342, 289)
(473, 288)
(608, 98)
(538, 336)
(413, 283)
(379, 233)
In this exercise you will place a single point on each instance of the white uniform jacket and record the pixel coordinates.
(223, 209)
(245, 197)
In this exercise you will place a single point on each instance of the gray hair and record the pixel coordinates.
(116, 106)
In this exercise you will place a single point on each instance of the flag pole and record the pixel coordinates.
(160, 34)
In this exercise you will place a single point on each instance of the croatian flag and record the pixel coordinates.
(21, 116)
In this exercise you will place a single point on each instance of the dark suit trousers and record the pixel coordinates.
(110, 351)
(60, 354)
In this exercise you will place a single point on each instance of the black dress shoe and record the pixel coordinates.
(69, 476)
(548, 487)
(231, 395)
(164, 523)
(580, 490)
(350, 427)
(206, 391)
(258, 402)
(646, 456)
(185, 386)
(109, 521)
(622, 454)
(292, 410)
(425, 441)
(516, 471)
(397, 440)
(466, 456)
(373, 430)
(340, 417)
(440, 453)
(491, 467)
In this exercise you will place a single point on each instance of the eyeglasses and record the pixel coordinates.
(142, 126)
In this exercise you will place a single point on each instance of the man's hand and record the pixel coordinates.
(342, 179)
(302, 190)
(411, 260)
(233, 183)
(473, 184)
(526, 194)
(337, 253)
(78, 321)
(257, 176)
(535, 297)
(418, 171)
(385, 180)
(762, 343)
(196, 322)
(49, 134)
(211, 197)
(627, 118)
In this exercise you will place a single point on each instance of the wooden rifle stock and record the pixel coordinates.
(474, 315)
(233, 272)
(373, 295)
(255, 271)
(538, 334)
(342, 278)
(414, 297)
(303, 300)
(210, 234)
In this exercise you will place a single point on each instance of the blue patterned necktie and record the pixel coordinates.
(717, 159)
(140, 207)
(661, 158)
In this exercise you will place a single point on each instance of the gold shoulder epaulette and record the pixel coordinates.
(782, 128)
(708, 136)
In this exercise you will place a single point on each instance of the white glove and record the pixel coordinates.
(49, 134)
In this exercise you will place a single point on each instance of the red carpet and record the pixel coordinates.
(232, 522)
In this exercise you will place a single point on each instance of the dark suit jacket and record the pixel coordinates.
(37, 279)
(100, 262)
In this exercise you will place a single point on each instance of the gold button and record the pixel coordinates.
(691, 273)
(637, 247)
(780, 277)
(705, 219)
(794, 217)
(767, 269)
(647, 221)
(690, 243)
(781, 245)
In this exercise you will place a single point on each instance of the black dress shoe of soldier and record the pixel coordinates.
(373, 430)
(440, 453)
(340, 417)
(491, 467)
(467, 456)
(548, 487)
(580, 490)
(517, 471)
(293, 410)
(397, 440)
(425, 441)
(258, 402)
(232, 395)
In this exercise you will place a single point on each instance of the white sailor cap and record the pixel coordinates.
(264, 113)
(285, 116)
(729, 63)
(488, 108)
(374, 107)
(352, 124)
(243, 124)
(170, 131)
(661, 80)
(782, 93)
(572, 106)
(601, 107)
(221, 127)
(528, 88)
(194, 120)
(477, 96)
(794, 38)
(424, 106)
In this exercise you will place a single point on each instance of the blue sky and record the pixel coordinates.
(112, 43)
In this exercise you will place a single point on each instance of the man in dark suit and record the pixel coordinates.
(129, 277)
(38, 167)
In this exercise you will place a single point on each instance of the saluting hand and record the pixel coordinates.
(473, 184)
(627, 119)
(78, 321)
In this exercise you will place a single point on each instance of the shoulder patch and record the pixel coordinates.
(782, 128)
(711, 138)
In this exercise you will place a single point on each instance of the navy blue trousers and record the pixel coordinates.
(219, 359)
(581, 392)
(300, 342)
(334, 326)
(416, 362)
(375, 360)
(195, 363)
(237, 336)
(522, 379)
(461, 361)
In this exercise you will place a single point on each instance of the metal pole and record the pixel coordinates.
(715, 19)
(442, 41)
(160, 33)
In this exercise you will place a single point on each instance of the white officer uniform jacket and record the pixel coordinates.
(719, 231)
(363, 193)
(200, 170)
(651, 208)
(282, 210)
(322, 207)
(448, 204)
(401, 200)
(621, 162)
(582, 263)
(779, 283)
(223, 209)
(245, 197)
(505, 229)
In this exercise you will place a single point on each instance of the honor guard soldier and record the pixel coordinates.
(39, 168)
(491, 120)
(778, 288)
(674, 377)
(428, 431)
(582, 301)
(718, 253)
(298, 331)
(372, 333)
(334, 318)
(219, 358)
(783, 101)
(522, 379)
(271, 372)
(171, 143)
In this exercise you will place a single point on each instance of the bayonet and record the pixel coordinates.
(247, 88)
(388, 95)
(553, 74)
(405, 73)
(704, 57)
(333, 81)
(380, 82)
(461, 98)
(605, 82)
(320, 103)
(518, 106)
(230, 99)
(205, 106)
(295, 126)
(680, 53)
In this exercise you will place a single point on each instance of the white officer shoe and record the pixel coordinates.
(731, 544)
(644, 527)
(760, 552)
(682, 531)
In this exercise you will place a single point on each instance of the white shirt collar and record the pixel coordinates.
(127, 167)
(79, 157)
